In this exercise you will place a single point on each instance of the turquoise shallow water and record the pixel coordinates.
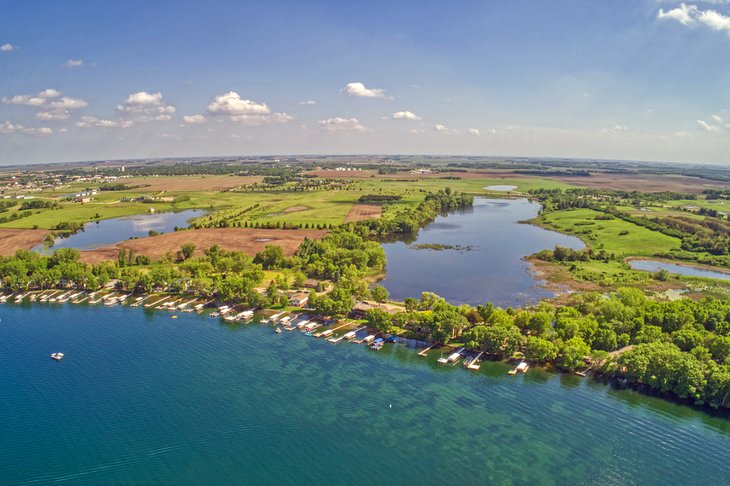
(142, 398)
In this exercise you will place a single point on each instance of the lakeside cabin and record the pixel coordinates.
(360, 309)
(299, 299)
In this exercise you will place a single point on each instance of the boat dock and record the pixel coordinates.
(473, 363)
(329, 332)
(424, 352)
(453, 358)
(521, 368)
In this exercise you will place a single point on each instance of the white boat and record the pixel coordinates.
(349, 336)
(369, 339)
(57, 356)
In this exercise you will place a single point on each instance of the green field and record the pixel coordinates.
(613, 235)
(314, 207)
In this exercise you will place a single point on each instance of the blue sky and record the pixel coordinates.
(643, 80)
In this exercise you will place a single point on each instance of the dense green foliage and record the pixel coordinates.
(680, 347)
(409, 220)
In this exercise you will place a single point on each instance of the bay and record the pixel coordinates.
(487, 262)
(142, 398)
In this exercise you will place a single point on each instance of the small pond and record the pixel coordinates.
(685, 270)
(501, 188)
(110, 231)
(475, 256)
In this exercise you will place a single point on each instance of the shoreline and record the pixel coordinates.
(333, 330)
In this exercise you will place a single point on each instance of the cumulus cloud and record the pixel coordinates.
(143, 106)
(338, 124)
(474, 131)
(717, 118)
(90, 121)
(359, 89)
(194, 119)
(6, 47)
(72, 63)
(691, 15)
(405, 115)
(53, 106)
(53, 115)
(9, 127)
(244, 110)
(67, 103)
(614, 129)
(704, 126)
(28, 100)
(49, 93)
(443, 129)
(308, 102)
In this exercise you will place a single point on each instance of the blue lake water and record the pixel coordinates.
(140, 398)
(487, 265)
(110, 231)
(686, 270)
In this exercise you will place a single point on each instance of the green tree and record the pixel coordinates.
(573, 352)
(380, 293)
(540, 350)
(187, 250)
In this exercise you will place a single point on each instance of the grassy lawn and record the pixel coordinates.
(613, 235)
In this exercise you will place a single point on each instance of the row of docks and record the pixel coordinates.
(108, 299)
(308, 326)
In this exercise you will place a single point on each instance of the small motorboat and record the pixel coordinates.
(57, 356)
(278, 330)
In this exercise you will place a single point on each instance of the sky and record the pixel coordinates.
(106, 80)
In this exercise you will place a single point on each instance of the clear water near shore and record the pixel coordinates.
(110, 231)
(685, 270)
(490, 269)
(142, 398)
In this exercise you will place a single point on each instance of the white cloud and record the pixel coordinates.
(442, 129)
(308, 102)
(715, 20)
(53, 108)
(49, 93)
(53, 115)
(405, 115)
(359, 89)
(27, 100)
(67, 103)
(142, 98)
(473, 131)
(703, 125)
(231, 103)
(691, 15)
(72, 63)
(342, 124)
(684, 14)
(9, 127)
(145, 106)
(194, 119)
(716, 118)
(90, 121)
(6, 47)
(614, 129)
(243, 110)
